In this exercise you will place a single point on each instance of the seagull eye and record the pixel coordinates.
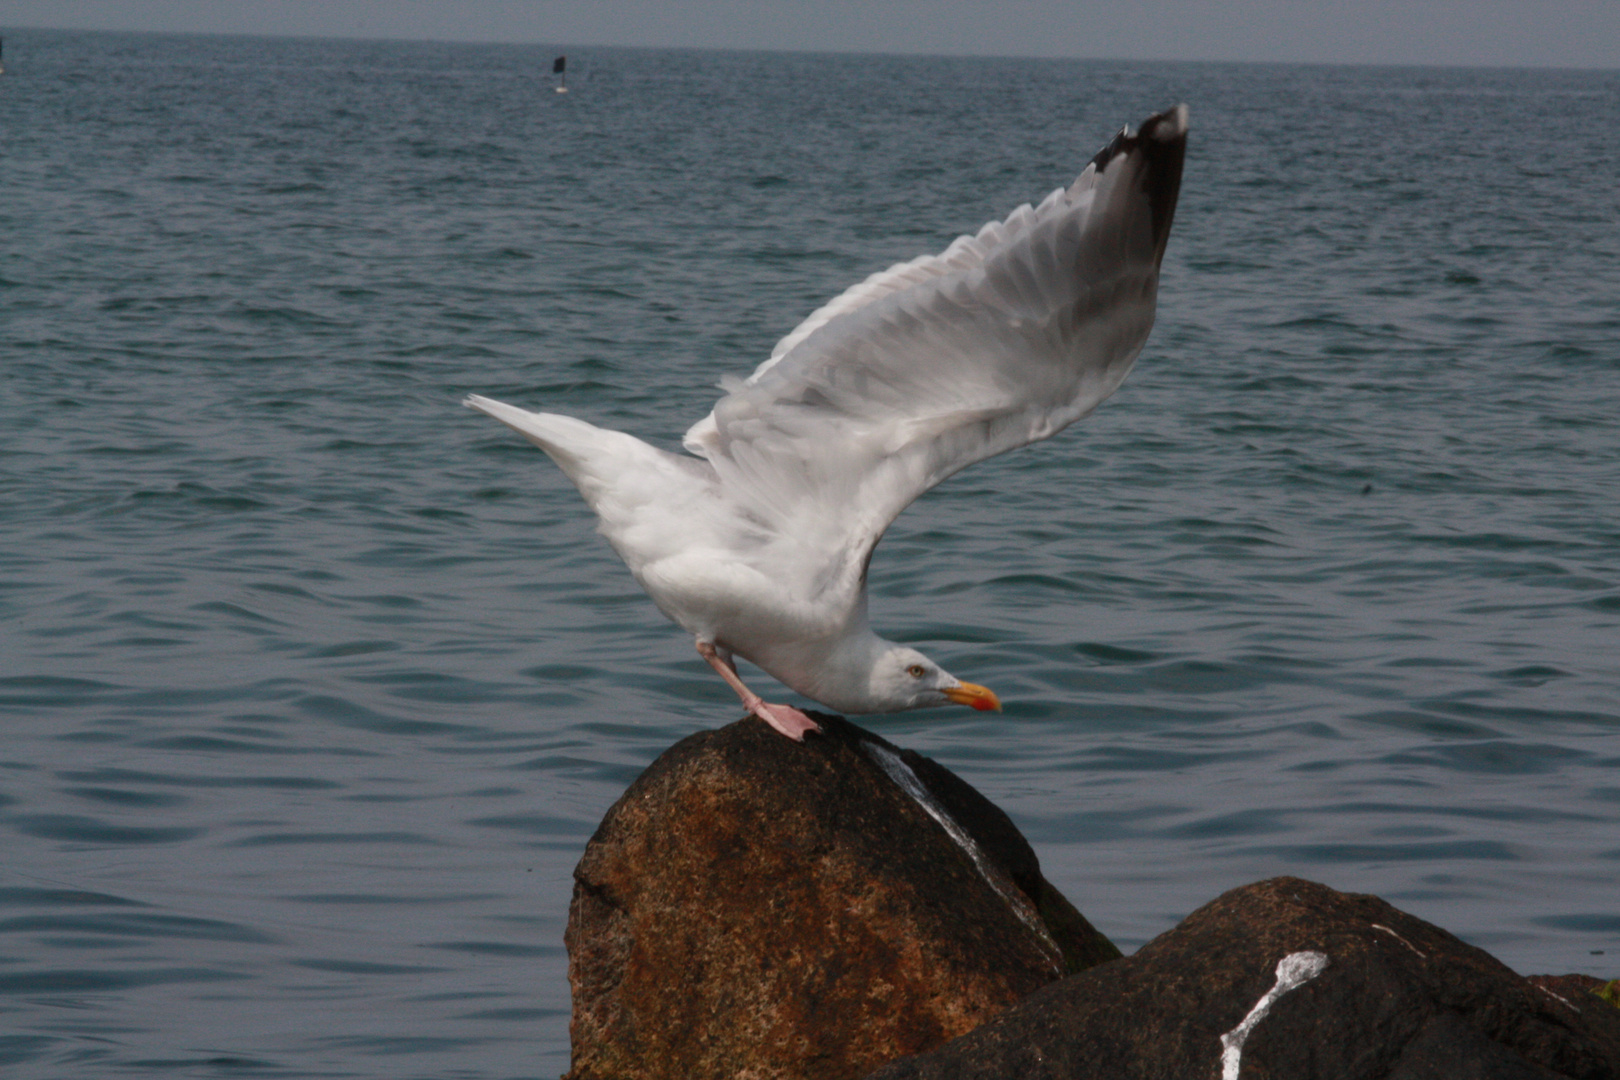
(916, 671)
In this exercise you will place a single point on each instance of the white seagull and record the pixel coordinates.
(757, 542)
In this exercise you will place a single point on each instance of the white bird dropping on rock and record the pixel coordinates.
(1293, 971)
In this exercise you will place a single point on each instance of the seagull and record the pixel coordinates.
(757, 540)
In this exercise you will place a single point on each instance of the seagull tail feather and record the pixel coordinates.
(580, 450)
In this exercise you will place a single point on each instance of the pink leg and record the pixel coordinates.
(784, 718)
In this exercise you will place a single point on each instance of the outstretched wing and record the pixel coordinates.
(1003, 339)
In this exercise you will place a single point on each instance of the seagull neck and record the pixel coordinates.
(844, 676)
(859, 650)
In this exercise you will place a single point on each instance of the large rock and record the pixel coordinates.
(1290, 980)
(753, 907)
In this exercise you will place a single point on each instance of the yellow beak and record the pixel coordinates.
(976, 697)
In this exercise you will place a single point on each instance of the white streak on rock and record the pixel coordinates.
(1014, 897)
(1397, 937)
(1560, 997)
(1293, 971)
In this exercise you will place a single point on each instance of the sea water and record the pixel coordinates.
(313, 684)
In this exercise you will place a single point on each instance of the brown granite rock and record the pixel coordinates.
(1394, 998)
(758, 908)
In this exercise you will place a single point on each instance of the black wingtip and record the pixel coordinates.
(1162, 143)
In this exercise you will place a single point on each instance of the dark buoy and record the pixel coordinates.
(559, 68)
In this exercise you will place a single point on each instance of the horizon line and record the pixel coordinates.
(586, 46)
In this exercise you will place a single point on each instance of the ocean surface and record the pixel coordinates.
(313, 684)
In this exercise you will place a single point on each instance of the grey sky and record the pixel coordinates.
(1518, 33)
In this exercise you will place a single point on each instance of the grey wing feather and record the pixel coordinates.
(1003, 339)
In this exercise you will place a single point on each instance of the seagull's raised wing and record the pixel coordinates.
(1003, 339)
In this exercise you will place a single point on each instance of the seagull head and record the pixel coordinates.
(903, 678)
